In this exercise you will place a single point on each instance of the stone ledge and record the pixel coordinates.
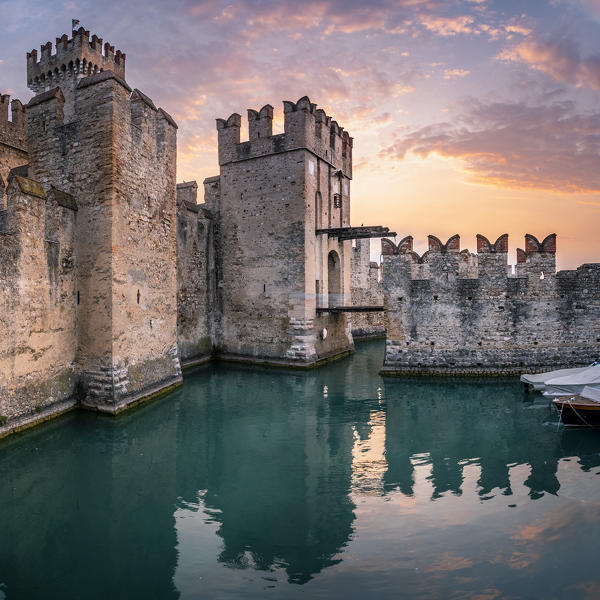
(98, 78)
(389, 371)
(31, 420)
(30, 187)
(168, 117)
(197, 361)
(286, 364)
(360, 334)
(45, 96)
(137, 398)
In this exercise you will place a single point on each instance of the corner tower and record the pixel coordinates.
(114, 151)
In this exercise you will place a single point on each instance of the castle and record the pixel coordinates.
(113, 277)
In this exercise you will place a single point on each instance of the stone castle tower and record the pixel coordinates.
(283, 201)
(111, 153)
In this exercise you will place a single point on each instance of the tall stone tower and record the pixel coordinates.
(90, 135)
(283, 202)
(75, 59)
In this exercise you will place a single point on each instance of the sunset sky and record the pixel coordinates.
(473, 116)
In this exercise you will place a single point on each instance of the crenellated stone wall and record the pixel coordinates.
(13, 136)
(112, 154)
(454, 312)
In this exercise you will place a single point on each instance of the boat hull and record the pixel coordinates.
(576, 412)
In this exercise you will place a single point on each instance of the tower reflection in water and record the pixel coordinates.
(265, 472)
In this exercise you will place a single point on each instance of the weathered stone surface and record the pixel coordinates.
(272, 269)
(453, 312)
(107, 156)
(195, 275)
(37, 302)
(366, 290)
(13, 136)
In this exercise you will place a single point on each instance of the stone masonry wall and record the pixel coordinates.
(273, 193)
(38, 302)
(367, 290)
(195, 275)
(118, 157)
(453, 312)
(13, 136)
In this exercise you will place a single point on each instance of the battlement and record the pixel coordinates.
(532, 246)
(187, 196)
(450, 311)
(13, 132)
(77, 57)
(305, 127)
(22, 208)
(442, 259)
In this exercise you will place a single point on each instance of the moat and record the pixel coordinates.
(333, 483)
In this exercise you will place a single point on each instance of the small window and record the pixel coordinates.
(337, 201)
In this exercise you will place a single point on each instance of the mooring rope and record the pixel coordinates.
(586, 424)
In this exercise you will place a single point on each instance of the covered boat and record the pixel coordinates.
(582, 410)
(537, 381)
(573, 383)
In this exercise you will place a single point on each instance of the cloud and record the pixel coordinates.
(455, 73)
(448, 26)
(329, 16)
(515, 144)
(560, 58)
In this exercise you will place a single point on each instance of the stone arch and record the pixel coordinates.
(334, 279)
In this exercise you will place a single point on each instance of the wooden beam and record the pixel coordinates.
(340, 309)
(354, 233)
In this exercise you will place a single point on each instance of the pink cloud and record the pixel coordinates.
(560, 59)
(515, 145)
(455, 73)
(448, 26)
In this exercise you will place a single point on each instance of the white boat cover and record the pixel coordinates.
(591, 392)
(573, 383)
(538, 380)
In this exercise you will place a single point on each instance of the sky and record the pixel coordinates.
(468, 116)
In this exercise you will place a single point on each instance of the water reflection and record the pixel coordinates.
(248, 480)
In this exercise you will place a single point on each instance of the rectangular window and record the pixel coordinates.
(337, 201)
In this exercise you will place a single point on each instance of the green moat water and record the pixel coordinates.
(250, 483)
